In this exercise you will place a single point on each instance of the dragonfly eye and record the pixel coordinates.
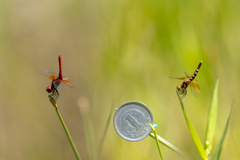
(179, 88)
(49, 89)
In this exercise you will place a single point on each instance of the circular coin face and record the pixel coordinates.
(132, 121)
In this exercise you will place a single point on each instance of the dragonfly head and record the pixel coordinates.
(179, 88)
(49, 89)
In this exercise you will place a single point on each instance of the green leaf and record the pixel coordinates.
(167, 144)
(193, 132)
(212, 118)
(218, 152)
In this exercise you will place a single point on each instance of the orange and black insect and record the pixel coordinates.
(189, 81)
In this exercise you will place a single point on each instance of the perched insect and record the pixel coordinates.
(56, 80)
(188, 81)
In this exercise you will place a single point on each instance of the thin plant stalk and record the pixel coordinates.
(155, 134)
(105, 131)
(68, 135)
(52, 100)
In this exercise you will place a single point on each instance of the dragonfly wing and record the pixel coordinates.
(58, 83)
(67, 82)
(195, 88)
(50, 74)
(186, 75)
(182, 78)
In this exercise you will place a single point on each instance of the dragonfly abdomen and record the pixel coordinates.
(195, 72)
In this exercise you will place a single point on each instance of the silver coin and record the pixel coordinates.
(132, 121)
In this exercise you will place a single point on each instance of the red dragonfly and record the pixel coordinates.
(56, 80)
(188, 81)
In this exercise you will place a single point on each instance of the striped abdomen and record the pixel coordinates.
(196, 72)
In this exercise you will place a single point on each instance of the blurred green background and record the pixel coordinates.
(113, 52)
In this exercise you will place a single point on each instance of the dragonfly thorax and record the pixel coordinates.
(55, 83)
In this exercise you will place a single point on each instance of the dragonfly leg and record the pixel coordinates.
(182, 93)
(54, 94)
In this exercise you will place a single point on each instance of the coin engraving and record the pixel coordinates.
(133, 121)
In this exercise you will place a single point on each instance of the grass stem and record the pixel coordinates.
(68, 135)
(155, 134)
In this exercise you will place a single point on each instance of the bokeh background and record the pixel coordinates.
(114, 52)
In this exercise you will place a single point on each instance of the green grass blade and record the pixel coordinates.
(54, 103)
(193, 132)
(105, 131)
(212, 118)
(218, 152)
(167, 144)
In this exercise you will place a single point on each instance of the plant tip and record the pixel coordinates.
(53, 101)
